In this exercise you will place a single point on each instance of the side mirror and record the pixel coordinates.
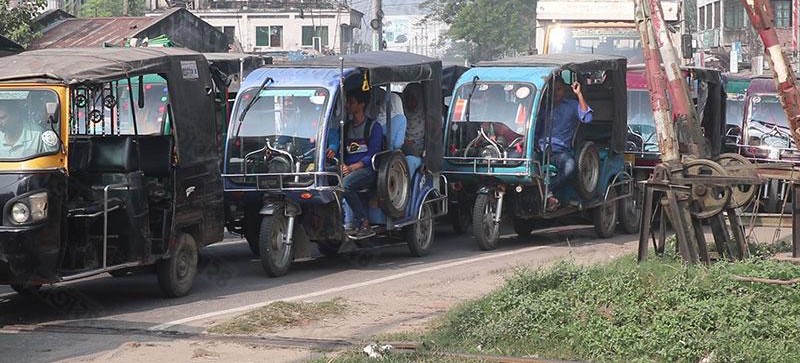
(686, 46)
(52, 109)
(568, 76)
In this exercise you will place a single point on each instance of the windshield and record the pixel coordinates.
(620, 41)
(734, 110)
(498, 120)
(640, 119)
(25, 128)
(767, 109)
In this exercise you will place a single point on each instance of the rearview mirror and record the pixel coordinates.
(568, 76)
(51, 108)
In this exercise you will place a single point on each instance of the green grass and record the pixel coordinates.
(657, 311)
(279, 315)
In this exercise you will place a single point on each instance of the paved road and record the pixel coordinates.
(117, 310)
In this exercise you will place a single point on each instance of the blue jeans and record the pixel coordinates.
(565, 164)
(354, 182)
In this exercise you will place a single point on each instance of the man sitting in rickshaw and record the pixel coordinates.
(363, 138)
(20, 138)
(565, 116)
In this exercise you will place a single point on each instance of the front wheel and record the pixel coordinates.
(485, 229)
(276, 254)
(176, 273)
(419, 236)
(605, 216)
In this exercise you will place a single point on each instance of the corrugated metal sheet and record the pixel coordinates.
(92, 32)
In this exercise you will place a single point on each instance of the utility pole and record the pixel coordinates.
(377, 24)
(125, 7)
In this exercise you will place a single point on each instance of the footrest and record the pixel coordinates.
(92, 210)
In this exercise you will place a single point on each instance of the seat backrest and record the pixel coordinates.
(156, 155)
(80, 152)
(114, 154)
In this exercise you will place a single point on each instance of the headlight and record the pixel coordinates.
(20, 212)
(30, 209)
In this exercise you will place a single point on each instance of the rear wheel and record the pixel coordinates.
(605, 216)
(328, 248)
(176, 273)
(419, 236)
(523, 227)
(484, 228)
(26, 289)
(393, 185)
(276, 255)
(460, 217)
(252, 227)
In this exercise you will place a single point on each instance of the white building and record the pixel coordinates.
(408, 33)
(261, 26)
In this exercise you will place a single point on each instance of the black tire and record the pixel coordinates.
(630, 211)
(252, 227)
(485, 230)
(523, 227)
(275, 259)
(773, 203)
(605, 217)
(419, 236)
(176, 273)
(328, 248)
(121, 273)
(394, 184)
(588, 170)
(26, 290)
(460, 217)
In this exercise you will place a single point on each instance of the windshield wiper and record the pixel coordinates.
(780, 129)
(252, 102)
(469, 98)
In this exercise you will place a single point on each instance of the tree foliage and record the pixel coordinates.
(490, 28)
(16, 23)
(106, 8)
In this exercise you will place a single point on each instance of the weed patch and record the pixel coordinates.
(278, 315)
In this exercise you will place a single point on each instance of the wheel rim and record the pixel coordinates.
(587, 171)
(610, 212)
(182, 264)
(424, 228)
(397, 185)
(279, 250)
(489, 211)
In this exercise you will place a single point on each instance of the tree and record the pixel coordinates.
(491, 28)
(106, 8)
(16, 23)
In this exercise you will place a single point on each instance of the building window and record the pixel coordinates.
(309, 34)
(716, 14)
(783, 13)
(702, 17)
(269, 36)
(709, 17)
(229, 31)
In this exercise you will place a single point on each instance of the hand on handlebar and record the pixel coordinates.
(330, 154)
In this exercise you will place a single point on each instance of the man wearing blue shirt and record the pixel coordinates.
(363, 138)
(565, 116)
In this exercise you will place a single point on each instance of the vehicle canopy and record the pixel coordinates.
(371, 69)
(607, 94)
(185, 71)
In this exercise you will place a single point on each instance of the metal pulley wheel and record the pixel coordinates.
(737, 165)
(710, 199)
(393, 184)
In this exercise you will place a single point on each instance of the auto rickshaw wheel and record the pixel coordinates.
(252, 227)
(328, 248)
(276, 255)
(588, 170)
(523, 227)
(460, 218)
(26, 290)
(484, 228)
(630, 210)
(605, 216)
(176, 273)
(393, 185)
(419, 236)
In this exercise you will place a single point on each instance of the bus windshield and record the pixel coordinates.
(620, 41)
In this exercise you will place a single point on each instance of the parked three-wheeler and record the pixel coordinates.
(284, 188)
(107, 163)
(499, 143)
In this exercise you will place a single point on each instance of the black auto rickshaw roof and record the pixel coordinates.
(93, 65)
(383, 67)
(573, 61)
